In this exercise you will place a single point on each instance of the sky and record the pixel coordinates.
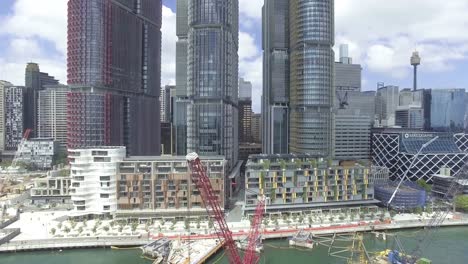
(381, 35)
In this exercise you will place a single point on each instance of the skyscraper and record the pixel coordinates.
(245, 111)
(114, 71)
(3, 85)
(275, 99)
(212, 69)
(14, 115)
(181, 100)
(52, 114)
(165, 99)
(311, 25)
(35, 80)
(347, 74)
(386, 103)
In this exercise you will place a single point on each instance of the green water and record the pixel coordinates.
(450, 245)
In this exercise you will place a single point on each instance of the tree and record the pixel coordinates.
(423, 184)
(106, 228)
(80, 230)
(66, 230)
(187, 224)
(60, 158)
(418, 210)
(59, 225)
(112, 223)
(342, 217)
(331, 218)
(362, 216)
(134, 227)
(461, 203)
(52, 231)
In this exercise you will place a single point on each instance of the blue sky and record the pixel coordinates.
(381, 35)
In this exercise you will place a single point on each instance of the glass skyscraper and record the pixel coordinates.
(114, 72)
(311, 24)
(275, 99)
(211, 84)
(448, 110)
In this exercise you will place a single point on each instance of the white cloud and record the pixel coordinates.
(30, 31)
(251, 9)
(250, 66)
(383, 34)
(168, 49)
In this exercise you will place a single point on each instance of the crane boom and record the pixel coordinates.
(251, 256)
(210, 200)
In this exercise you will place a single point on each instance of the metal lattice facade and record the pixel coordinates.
(396, 151)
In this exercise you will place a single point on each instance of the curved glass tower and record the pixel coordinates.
(212, 69)
(311, 25)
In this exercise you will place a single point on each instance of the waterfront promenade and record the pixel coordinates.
(268, 233)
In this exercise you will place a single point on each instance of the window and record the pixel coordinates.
(104, 195)
(104, 178)
(106, 207)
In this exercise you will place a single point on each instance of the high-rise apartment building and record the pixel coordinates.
(14, 115)
(312, 59)
(35, 81)
(3, 85)
(114, 71)
(275, 97)
(52, 114)
(208, 97)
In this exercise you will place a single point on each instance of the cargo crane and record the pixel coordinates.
(213, 208)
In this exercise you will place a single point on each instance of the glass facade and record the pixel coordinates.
(311, 23)
(275, 100)
(212, 78)
(115, 47)
(448, 110)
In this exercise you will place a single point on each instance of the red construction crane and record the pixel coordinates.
(251, 256)
(210, 200)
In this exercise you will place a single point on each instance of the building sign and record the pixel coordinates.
(419, 135)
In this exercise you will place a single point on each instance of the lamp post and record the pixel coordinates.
(410, 166)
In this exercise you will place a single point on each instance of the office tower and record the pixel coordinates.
(35, 80)
(166, 138)
(352, 136)
(447, 110)
(245, 89)
(212, 69)
(3, 84)
(409, 117)
(14, 115)
(52, 114)
(114, 71)
(181, 94)
(245, 121)
(275, 98)
(312, 77)
(94, 180)
(256, 128)
(347, 74)
(165, 103)
(245, 111)
(386, 103)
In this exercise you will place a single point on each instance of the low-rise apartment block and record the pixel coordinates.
(38, 152)
(162, 185)
(55, 188)
(296, 182)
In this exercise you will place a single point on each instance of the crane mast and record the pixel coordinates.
(210, 200)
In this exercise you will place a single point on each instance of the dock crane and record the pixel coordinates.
(202, 182)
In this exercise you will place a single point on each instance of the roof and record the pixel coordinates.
(169, 158)
(444, 144)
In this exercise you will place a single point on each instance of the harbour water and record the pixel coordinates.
(449, 245)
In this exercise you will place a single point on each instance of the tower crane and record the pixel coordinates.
(11, 169)
(202, 182)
